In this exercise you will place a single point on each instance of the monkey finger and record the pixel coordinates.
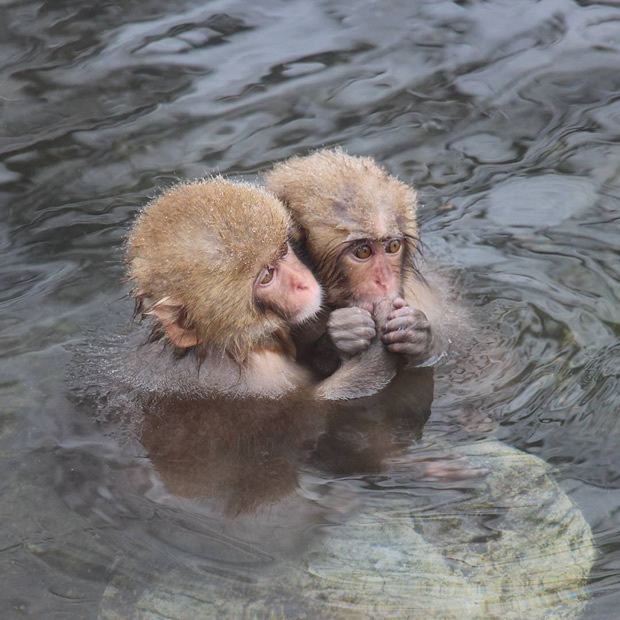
(365, 320)
(347, 317)
(365, 332)
(397, 324)
(352, 331)
(368, 306)
(405, 344)
(404, 311)
(396, 336)
(398, 302)
(356, 333)
(416, 315)
(400, 347)
(409, 349)
(410, 333)
(360, 330)
(350, 310)
(352, 347)
(414, 343)
(414, 329)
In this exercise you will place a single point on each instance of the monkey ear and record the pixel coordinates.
(172, 316)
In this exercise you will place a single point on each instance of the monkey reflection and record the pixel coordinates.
(248, 459)
(364, 436)
(358, 226)
(242, 452)
(214, 274)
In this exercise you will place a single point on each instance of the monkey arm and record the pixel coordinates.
(359, 376)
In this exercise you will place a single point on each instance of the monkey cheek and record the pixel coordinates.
(306, 305)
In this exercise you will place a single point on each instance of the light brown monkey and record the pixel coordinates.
(213, 270)
(358, 226)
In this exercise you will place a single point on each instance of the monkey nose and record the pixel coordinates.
(299, 285)
(381, 281)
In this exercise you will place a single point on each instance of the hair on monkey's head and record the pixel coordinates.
(193, 255)
(336, 199)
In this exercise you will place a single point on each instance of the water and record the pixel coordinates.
(505, 115)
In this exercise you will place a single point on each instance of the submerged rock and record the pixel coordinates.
(514, 546)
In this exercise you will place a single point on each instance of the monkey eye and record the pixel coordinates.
(267, 276)
(393, 246)
(363, 251)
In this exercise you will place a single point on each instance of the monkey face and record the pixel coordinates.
(211, 266)
(288, 288)
(339, 200)
(373, 268)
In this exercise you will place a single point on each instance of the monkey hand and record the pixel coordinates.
(408, 332)
(351, 329)
(366, 373)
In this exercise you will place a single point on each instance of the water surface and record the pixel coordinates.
(506, 116)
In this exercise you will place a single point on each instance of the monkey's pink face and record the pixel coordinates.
(373, 268)
(289, 288)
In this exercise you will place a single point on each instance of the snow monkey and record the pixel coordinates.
(358, 226)
(214, 272)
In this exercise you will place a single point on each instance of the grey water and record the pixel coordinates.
(505, 116)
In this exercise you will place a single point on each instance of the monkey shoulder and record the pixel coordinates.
(271, 374)
(161, 370)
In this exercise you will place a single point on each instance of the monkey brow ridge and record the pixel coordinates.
(367, 239)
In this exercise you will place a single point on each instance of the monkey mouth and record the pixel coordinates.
(373, 300)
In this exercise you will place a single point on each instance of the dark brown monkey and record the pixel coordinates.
(213, 270)
(244, 453)
(240, 452)
(358, 225)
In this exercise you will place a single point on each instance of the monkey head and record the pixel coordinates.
(210, 263)
(358, 223)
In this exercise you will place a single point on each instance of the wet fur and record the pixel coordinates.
(202, 244)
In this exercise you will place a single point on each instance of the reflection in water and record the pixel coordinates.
(242, 452)
(247, 452)
(365, 436)
(237, 484)
(504, 115)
